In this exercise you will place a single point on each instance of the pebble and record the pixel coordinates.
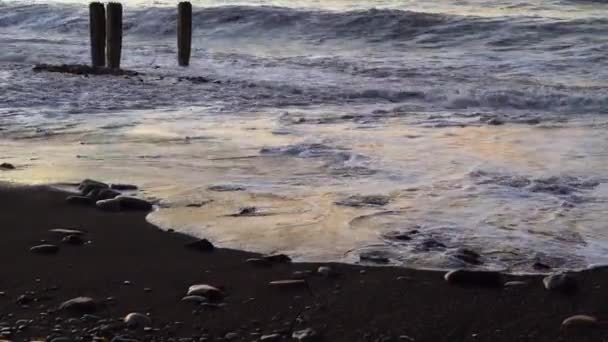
(137, 320)
(476, 278)
(290, 283)
(133, 203)
(194, 299)
(560, 282)
(7, 166)
(66, 232)
(80, 200)
(81, 304)
(207, 291)
(580, 321)
(306, 335)
(45, 249)
(201, 245)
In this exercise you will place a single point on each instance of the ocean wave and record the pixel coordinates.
(375, 25)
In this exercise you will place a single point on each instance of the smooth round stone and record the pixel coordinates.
(66, 232)
(137, 320)
(474, 278)
(133, 203)
(560, 282)
(580, 321)
(7, 166)
(80, 304)
(207, 291)
(45, 249)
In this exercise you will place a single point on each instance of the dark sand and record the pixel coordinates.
(379, 304)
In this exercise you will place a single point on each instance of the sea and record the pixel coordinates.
(426, 134)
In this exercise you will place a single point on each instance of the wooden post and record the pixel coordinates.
(114, 34)
(184, 32)
(97, 24)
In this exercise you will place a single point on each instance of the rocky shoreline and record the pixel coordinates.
(92, 269)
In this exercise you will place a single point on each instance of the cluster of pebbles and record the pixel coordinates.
(108, 197)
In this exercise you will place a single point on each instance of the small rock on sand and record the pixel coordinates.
(7, 166)
(207, 291)
(133, 203)
(560, 282)
(580, 321)
(79, 304)
(475, 278)
(45, 249)
(66, 232)
(306, 335)
(201, 245)
(137, 320)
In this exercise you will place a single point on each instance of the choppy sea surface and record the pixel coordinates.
(408, 130)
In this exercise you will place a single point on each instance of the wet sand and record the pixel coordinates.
(147, 270)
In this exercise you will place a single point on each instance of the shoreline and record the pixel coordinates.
(147, 270)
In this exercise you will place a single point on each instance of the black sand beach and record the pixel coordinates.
(132, 266)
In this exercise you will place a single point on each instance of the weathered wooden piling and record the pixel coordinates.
(184, 32)
(113, 34)
(97, 24)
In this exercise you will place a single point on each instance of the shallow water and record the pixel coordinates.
(479, 125)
